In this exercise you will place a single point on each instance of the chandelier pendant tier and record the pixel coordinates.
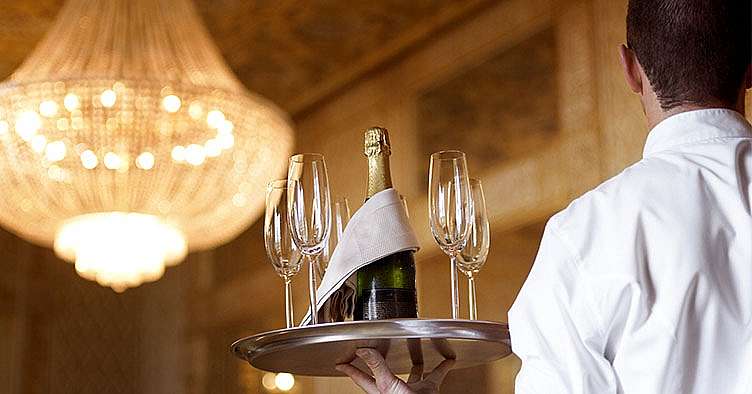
(126, 141)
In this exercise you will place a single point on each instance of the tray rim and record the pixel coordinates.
(261, 342)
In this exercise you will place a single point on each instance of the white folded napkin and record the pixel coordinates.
(378, 229)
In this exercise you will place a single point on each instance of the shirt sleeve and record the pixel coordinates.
(554, 328)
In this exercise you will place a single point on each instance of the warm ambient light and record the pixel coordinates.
(268, 381)
(120, 250)
(134, 112)
(284, 381)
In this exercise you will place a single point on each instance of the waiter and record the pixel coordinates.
(644, 284)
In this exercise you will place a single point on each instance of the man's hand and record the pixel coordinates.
(384, 381)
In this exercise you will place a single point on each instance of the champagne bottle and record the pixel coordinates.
(386, 287)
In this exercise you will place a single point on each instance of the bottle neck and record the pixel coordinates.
(379, 176)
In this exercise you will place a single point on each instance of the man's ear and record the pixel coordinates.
(631, 68)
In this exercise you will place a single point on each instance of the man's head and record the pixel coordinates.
(693, 53)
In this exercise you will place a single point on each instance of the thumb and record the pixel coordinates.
(377, 365)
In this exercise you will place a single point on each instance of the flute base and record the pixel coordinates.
(315, 350)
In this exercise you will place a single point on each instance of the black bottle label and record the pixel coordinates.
(379, 304)
(386, 288)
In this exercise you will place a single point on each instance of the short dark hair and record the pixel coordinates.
(693, 51)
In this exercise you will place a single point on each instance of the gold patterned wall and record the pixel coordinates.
(499, 110)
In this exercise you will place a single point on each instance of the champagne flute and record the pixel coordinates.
(281, 250)
(474, 254)
(310, 213)
(403, 200)
(340, 216)
(450, 209)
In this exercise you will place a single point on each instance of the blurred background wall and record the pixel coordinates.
(531, 90)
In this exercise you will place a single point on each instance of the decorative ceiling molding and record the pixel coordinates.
(297, 53)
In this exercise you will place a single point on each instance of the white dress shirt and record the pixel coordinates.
(644, 284)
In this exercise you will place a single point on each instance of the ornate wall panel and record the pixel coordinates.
(74, 336)
(503, 109)
(94, 341)
(286, 49)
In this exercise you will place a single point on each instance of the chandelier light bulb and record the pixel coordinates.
(55, 151)
(108, 98)
(178, 153)
(27, 124)
(194, 154)
(70, 102)
(89, 159)
(226, 141)
(48, 108)
(215, 118)
(225, 127)
(112, 161)
(145, 161)
(171, 103)
(38, 143)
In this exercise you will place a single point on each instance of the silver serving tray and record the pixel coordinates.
(315, 350)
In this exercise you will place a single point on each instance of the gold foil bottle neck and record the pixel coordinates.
(377, 149)
(377, 142)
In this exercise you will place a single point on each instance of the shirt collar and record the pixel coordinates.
(696, 126)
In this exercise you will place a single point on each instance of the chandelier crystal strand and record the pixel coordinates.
(126, 141)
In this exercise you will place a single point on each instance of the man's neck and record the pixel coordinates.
(657, 115)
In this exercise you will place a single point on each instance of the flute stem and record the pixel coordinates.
(289, 315)
(455, 288)
(473, 303)
(312, 288)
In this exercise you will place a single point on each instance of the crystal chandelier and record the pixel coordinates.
(126, 141)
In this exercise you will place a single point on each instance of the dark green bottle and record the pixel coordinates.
(386, 287)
